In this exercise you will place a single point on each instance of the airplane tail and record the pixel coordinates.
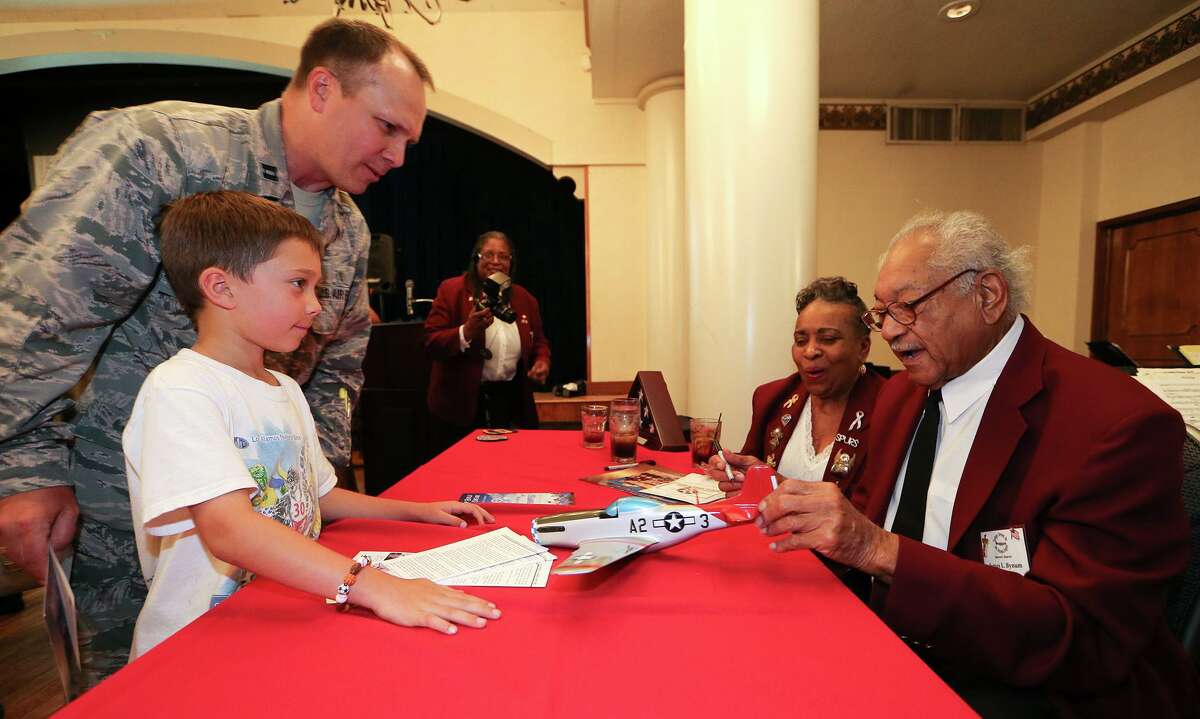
(743, 507)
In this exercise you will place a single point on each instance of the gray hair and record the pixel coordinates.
(967, 240)
(838, 291)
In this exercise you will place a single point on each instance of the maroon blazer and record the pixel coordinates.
(455, 375)
(1089, 462)
(784, 398)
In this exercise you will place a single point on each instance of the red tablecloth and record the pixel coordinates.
(716, 626)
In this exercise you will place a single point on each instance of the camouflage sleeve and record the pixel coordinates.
(333, 389)
(73, 265)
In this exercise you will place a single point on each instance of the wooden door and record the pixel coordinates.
(1148, 283)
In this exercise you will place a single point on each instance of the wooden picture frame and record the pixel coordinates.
(660, 424)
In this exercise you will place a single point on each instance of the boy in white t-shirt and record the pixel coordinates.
(226, 475)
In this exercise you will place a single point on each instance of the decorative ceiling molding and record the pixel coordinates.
(1155, 48)
(853, 117)
(1151, 50)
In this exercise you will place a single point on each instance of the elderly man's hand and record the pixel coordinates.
(738, 462)
(815, 515)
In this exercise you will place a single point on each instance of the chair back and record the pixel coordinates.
(1183, 601)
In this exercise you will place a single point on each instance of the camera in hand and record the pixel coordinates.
(495, 297)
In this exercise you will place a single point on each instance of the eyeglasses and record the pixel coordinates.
(495, 256)
(903, 312)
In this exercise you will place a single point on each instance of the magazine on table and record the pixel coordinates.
(661, 484)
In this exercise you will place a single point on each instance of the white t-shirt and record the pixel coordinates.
(201, 429)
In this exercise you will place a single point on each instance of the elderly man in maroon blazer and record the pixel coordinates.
(1023, 513)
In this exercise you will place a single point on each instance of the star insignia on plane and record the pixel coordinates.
(674, 522)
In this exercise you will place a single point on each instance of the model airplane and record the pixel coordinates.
(635, 524)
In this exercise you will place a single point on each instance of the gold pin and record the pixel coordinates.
(843, 462)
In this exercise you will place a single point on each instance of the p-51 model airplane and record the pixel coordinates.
(634, 524)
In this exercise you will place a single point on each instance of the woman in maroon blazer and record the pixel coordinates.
(829, 398)
(483, 371)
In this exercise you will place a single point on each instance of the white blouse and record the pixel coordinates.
(799, 460)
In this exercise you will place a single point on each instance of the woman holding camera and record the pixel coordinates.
(486, 343)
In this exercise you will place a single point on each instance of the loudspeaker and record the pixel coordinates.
(381, 262)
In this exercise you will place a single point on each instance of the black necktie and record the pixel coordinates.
(910, 515)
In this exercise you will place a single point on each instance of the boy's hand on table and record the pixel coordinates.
(421, 603)
(452, 513)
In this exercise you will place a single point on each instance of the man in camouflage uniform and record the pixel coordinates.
(81, 287)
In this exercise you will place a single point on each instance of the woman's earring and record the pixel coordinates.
(862, 369)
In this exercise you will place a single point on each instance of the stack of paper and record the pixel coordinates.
(501, 558)
(1178, 387)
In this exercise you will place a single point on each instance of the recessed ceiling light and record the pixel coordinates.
(959, 10)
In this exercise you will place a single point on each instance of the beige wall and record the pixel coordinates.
(1066, 231)
(522, 69)
(1143, 158)
(1150, 155)
(617, 271)
(1048, 194)
(868, 188)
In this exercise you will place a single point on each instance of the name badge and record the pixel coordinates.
(1005, 549)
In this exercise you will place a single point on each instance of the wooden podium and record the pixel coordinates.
(393, 419)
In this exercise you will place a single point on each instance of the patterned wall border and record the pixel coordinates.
(853, 117)
(1138, 57)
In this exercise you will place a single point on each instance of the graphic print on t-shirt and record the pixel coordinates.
(277, 460)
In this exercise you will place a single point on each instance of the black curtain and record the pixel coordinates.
(456, 185)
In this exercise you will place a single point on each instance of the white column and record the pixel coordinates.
(666, 256)
(751, 159)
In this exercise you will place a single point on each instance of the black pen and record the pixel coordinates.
(615, 467)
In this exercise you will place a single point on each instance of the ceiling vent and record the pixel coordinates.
(991, 124)
(925, 123)
(952, 122)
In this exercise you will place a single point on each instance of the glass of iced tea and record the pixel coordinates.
(704, 431)
(624, 420)
(592, 417)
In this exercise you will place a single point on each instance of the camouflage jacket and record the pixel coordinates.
(81, 285)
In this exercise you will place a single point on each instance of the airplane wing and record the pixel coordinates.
(593, 554)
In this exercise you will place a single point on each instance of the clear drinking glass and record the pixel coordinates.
(624, 419)
(593, 417)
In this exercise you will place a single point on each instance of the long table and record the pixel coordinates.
(718, 625)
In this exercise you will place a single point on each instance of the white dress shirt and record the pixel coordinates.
(964, 399)
(800, 460)
(503, 340)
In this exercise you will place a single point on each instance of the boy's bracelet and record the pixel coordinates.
(343, 591)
